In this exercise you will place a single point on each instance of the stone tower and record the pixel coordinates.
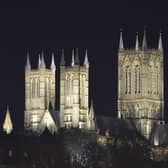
(39, 93)
(74, 110)
(141, 85)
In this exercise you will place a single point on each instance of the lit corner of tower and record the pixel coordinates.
(62, 89)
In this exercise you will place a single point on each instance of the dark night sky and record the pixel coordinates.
(56, 25)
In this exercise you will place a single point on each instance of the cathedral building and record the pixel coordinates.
(141, 85)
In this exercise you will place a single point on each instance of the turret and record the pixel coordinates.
(86, 61)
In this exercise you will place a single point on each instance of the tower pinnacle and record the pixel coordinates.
(28, 65)
(86, 61)
(42, 61)
(73, 58)
(137, 43)
(144, 42)
(39, 61)
(160, 45)
(91, 111)
(52, 66)
(121, 45)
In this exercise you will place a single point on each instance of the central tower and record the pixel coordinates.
(74, 109)
(140, 85)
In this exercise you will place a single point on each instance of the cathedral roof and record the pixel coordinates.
(49, 121)
(160, 135)
(113, 124)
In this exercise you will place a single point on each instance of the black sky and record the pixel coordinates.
(51, 26)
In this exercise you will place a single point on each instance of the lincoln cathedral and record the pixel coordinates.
(140, 101)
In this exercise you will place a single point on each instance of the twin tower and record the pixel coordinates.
(40, 95)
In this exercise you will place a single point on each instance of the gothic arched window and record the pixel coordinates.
(128, 80)
(82, 90)
(33, 87)
(137, 79)
(68, 90)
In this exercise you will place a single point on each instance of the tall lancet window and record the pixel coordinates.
(157, 80)
(82, 91)
(150, 80)
(128, 80)
(33, 87)
(50, 89)
(68, 90)
(38, 87)
(137, 79)
(153, 75)
(129, 86)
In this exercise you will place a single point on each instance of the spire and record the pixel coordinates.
(77, 62)
(28, 66)
(137, 43)
(62, 63)
(73, 58)
(42, 61)
(121, 45)
(91, 117)
(160, 45)
(86, 61)
(7, 125)
(39, 61)
(144, 42)
(52, 66)
(91, 110)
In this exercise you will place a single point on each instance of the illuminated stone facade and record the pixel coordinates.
(74, 83)
(39, 95)
(140, 85)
